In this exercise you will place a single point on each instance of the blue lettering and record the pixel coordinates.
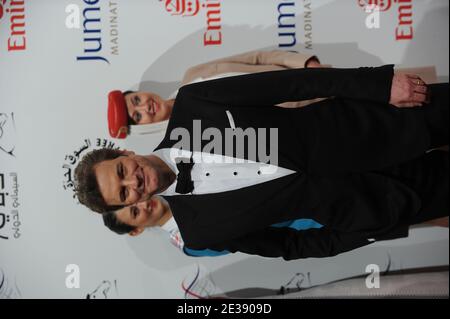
(285, 16)
(81, 58)
(86, 20)
(91, 26)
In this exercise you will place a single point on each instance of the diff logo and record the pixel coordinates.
(190, 8)
(10, 224)
(404, 29)
(7, 134)
(15, 9)
(71, 159)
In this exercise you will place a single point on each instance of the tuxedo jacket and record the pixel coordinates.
(275, 60)
(335, 146)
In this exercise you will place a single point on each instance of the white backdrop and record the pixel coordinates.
(53, 110)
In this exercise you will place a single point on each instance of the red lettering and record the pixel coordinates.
(404, 29)
(17, 47)
(401, 35)
(208, 38)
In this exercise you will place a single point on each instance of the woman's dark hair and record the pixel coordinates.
(111, 221)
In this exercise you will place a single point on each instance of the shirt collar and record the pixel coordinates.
(170, 225)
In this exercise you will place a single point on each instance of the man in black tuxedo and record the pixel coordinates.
(354, 163)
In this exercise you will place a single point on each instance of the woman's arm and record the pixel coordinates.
(286, 59)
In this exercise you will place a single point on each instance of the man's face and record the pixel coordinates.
(144, 214)
(146, 107)
(127, 179)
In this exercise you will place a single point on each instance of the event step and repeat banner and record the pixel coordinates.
(58, 61)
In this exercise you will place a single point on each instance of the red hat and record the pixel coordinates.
(117, 115)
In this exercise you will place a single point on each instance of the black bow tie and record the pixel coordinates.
(184, 181)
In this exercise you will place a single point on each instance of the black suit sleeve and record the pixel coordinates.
(274, 87)
(292, 244)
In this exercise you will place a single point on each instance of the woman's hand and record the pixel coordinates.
(408, 91)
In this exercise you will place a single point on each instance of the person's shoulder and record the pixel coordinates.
(192, 73)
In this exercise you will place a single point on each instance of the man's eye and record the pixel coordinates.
(123, 194)
(121, 170)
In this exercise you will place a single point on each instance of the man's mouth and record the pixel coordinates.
(141, 180)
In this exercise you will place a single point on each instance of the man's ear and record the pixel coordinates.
(136, 231)
(127, 152)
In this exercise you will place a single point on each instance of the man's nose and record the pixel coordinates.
(131, 181)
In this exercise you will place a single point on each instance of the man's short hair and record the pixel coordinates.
(110, 220)
(86, 185)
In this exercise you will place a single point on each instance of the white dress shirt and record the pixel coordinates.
(214, 173)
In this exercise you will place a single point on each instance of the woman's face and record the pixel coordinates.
(147, 107)
(144, 214)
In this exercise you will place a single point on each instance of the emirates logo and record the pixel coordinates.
(190, 8)
(182, 7)
(405, 26)
(382, 5)
(2, 3)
